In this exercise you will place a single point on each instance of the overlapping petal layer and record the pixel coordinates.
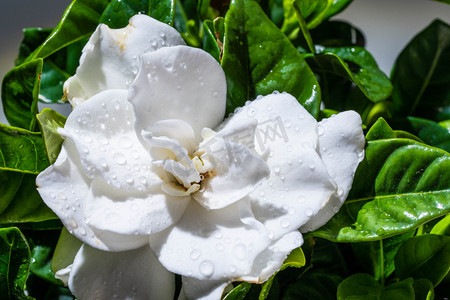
(111, 58)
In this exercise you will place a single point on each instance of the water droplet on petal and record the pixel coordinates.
(220, 247)
(335, 209)
(285, 223)
(125, 142)
(119, 158)
(62, 196)
(206, 268)
(309, 212)
(195, 254)
(339, 192)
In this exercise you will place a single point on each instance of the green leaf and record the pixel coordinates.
(210, 41)
(423, 289)
(313, 11)
(239, 292)
(79, 20)
(420, 76)
(21, 150)
(32, 38)
(163, 10)
(26, 204)
(258, 59)
(14, 264)
(442, 227)
(364, 286)
(295, 259)
(380, 130)
(20, 90)
(57, 67)
(314, 285)
(118, 12)
(42, 245)
(377, 257)
(400, 185)
(356, 65)
(431, 132)
(424, 256)
(49, 122)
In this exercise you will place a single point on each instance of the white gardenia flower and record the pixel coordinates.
(148, 172)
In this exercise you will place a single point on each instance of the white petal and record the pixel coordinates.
(117, 215)
(211, 245)
(135, 274)
(110, 59)
(103, 131)
(201, 289)
(236, 171)
(175, 129)
(179, 83)
(271, 260)
(299, 184)
(64, 188)
(341, 146)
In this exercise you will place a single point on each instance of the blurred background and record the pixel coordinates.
(387, 24)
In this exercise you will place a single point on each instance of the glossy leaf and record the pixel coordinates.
(57, 67)
(26, 205)
(239, 292)
(431, 132)
(400, 185)
(362, 71)
(20, 91)
(118, 12)
(380, 130)
(210, 41)
(424, 256)
(442, 227)
(420, 76)
(79, 20)
(364, 286)
(49, 122)
(21, 150)
(14, 264)
(163, 10)
(258, 60)
(42, 244)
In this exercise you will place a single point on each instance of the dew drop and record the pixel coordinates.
(309, 212)
(73, 223)
(335, 209)
(62, 196)
(340, 192)
(220, 247)
(82, 231)
(251, 111)
(206, 268)
(301, 116)
(195, 254)
(218, 235)
(285, 223)
(380, 231)
(232, 269)
(312, 167)
(119, 158)
(277, 170)
(215, 94)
